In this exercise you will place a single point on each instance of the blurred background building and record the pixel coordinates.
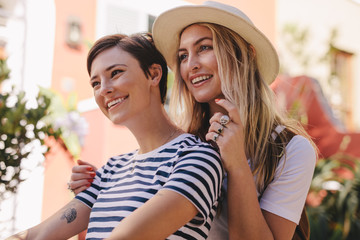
(46, 43)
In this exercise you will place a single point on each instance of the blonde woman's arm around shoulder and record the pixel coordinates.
(72, 219)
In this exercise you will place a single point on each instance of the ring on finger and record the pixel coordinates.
(71, 190)
(224, 120)
(215, 137)
(220, 129)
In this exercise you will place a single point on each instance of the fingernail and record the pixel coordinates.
(92, 174)
(89, 168)
(90, 180)
(217, 99)
(88, 185)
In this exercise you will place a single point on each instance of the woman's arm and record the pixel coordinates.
(158, 218)
(245, 217)
(284, 198)
(72, 219)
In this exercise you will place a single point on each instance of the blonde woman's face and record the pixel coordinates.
(198, 65)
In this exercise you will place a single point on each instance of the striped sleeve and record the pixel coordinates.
(197, 175)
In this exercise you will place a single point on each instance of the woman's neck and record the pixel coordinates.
(154, 131)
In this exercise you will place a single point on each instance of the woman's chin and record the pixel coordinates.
(203, 100)
(207, 97)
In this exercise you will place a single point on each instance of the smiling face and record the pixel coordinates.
(120, 86)
(198, 65)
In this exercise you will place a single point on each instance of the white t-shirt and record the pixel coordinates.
(285, 196)
(185, 165)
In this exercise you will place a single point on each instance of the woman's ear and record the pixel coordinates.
(155, 73)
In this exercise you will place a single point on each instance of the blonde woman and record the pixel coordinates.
(223, 66)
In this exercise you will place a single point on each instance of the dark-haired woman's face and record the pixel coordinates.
(121, 89)
(198, 65)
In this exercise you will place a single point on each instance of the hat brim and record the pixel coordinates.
(168, 25)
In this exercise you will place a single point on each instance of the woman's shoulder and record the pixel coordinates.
(120, 159)
(188, 140)
(192, 144)
(298, 147)
(299, 151)
(299, 142)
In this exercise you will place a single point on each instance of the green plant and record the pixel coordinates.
(334, 198)
(21, 130)
(4, 70)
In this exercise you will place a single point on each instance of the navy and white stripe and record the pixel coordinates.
(185, 165)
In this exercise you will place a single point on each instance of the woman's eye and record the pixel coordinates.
(94, 84)
(182, 57)
(203, 48)
(115, 72)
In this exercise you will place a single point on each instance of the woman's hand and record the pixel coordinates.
(245, 219)
(82, 176)
(230, 136)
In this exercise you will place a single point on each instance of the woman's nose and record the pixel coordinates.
(106, 88)
(194, 63)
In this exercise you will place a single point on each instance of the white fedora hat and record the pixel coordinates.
(168, 26)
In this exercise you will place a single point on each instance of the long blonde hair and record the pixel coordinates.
(241, 84)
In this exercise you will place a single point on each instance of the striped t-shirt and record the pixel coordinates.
(185, 165)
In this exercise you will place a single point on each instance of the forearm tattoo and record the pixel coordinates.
(69, 214)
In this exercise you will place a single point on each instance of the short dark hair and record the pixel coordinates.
(141, 47)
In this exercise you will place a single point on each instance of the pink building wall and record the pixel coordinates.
(68, 63)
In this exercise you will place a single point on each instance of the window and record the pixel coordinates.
(342, 85)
